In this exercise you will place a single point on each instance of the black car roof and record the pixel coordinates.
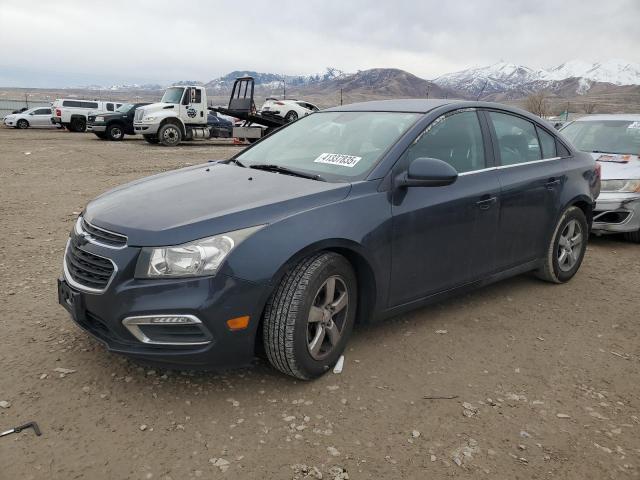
(419, 105)
(406, 105)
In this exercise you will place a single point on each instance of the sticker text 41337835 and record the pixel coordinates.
(338, 159)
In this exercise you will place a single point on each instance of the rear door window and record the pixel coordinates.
(548, 143)
(454, 138)
(517, 139)
(43, 111)
(109, 107)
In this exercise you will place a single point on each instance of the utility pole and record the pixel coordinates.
(340, 96)
(284, 88)
(566, 113)
(427, 93)
(26, 99)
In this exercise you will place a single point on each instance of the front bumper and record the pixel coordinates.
(145, 128)
(96, 128)
(212, 300)
(9, 123)
(616, 213)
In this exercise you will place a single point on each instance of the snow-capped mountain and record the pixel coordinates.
(616, 71)
(494, 78)
(518, 79)
(274, 80)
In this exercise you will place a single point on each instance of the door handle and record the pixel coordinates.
(485, 203)
(552, 183)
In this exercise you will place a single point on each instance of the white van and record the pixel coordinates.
(72, 113)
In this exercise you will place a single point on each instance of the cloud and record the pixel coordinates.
(71, 42)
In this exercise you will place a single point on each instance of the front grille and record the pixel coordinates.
(105, 237)
(86, 269)
(138, 115)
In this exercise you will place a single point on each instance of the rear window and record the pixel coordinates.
(79, 104)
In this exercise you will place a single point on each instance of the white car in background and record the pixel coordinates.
(290, 110)
(614, 141)
(34, 117)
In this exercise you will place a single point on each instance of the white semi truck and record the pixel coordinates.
(182, 115)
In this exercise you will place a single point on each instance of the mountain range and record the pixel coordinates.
(614, 84)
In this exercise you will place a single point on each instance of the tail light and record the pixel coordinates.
(598, 170)
(58, 112)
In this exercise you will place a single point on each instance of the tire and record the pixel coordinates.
(100, 135)
(562, 261)
(291, 116)
(632, 236)
(293, 341)
(78, 125)
(115, 132)
(170, 135)
(22, 123)
(152, 139)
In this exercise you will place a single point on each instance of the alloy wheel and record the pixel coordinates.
(327, 316)
(570, 245)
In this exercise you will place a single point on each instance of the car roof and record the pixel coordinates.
(404, 105)
(633, 117)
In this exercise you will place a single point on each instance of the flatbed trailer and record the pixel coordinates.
(242, 106)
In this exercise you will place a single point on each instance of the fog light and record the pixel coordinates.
(168, 329)
(239, 323)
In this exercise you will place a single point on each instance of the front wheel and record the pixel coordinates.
(632, 236)
(309, 317)
(566, 248)
(169, 135)
(291, 116)
(115, 132)
(22, 123)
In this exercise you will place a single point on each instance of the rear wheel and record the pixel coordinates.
(566, 248)
(170, 135)
(309, 318)
(152, 139)
(291, 116)
(115, 132)
(633, 236)
(78, 125)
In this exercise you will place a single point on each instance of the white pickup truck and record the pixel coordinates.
(72, 113)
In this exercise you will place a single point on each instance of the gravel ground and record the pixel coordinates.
(541, 381)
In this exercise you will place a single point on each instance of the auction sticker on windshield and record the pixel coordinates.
(338, 159)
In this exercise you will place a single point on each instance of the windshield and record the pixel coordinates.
(340, 146)
(125, 108)
(172, 95)
(608, 136)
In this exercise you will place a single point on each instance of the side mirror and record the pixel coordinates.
(427, 172)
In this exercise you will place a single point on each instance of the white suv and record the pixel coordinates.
(72, 114)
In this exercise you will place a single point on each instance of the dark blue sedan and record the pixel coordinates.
(353, 214)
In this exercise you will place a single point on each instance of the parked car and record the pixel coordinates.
(33, 117)
(356, 213)
(113, 126)
(614, 141)
(72, 114)
(290, 110)
(220, 125)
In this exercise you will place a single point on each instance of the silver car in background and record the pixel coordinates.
(34, 117)
(614, 141)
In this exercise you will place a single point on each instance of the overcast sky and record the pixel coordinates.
(58, 43)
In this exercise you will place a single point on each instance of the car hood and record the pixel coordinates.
(618, 167)
(203, 200)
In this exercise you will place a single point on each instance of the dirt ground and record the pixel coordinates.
(544, 378)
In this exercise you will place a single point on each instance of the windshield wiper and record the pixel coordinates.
(286, 171)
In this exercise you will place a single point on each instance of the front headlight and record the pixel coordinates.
(194, 259)
(621, 186)
(148, 119)
(99, 119)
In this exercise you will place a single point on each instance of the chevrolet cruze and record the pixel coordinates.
(352, 214)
